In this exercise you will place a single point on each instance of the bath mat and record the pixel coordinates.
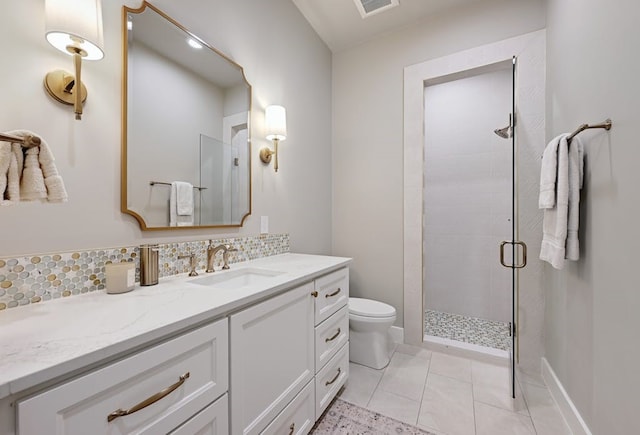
(346, 418)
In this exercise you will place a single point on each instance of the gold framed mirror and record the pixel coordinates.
(186, 107)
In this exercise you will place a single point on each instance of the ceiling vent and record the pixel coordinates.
(372, 7)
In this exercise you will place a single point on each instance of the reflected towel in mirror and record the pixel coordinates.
(181, 204)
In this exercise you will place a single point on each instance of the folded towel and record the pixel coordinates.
(32, 185)
(184, 198)
(554, 224)
(55, 186)
(34, 171)
(14, 174)
(5, 162)
(548, 174)
(175, 219)
(576, 170)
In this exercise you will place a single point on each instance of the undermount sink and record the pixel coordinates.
(235, 279)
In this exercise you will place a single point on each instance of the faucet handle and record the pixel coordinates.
(193, 263)
(225, 255)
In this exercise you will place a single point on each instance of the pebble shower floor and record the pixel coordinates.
(472, 330)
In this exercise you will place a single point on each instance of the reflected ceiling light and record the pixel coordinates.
(75, 28)
(193, 43)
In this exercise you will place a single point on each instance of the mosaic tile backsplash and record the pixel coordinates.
(41, 278)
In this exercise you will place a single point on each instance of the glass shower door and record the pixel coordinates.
(513, 253)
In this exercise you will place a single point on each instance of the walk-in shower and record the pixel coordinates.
(467, 209)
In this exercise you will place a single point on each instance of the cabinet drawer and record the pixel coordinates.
(213, 420)
(298, 417)
(83, 405)
(331, 335)
(331, 378)
(333, 293)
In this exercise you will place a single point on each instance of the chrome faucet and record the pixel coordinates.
(213, 250)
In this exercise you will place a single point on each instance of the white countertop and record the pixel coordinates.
(45, 341)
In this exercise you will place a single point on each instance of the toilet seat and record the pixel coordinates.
(369, 308)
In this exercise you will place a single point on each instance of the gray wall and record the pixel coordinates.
(368, 126)
(284, 61)
(592, 320)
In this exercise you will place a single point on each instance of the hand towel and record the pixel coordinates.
(52, 180)
(184, 198)
(554, 223)
(548, 174)
(11, 159)
(38, 176)
(5, 162)
(14, 174)
(32, 185)
(176, 220)
(576, 171)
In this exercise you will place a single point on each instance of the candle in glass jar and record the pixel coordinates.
(121, 277)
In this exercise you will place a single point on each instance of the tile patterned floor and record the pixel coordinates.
(467, 329)
(450, 395)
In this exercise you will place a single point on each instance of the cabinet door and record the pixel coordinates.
(184, 374)
(272, 357)
(333, 293)
(213, 420)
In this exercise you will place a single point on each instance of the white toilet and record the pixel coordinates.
(369, 323)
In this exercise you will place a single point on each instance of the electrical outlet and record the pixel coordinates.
(264, 224)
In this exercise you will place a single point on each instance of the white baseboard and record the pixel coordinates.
(569, 411)
(397, 334)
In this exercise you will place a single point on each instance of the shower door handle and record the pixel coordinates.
(524, 254)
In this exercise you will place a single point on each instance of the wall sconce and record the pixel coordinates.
(276, 121)
(75, 28)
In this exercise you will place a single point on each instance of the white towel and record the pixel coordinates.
(549, 174)
(32, 173)
(32, 185)
(5, 162)
(179, 203)
(576, 171)
(554, 224)
(184, 198)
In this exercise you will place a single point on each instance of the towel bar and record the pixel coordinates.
(152, 183)
(606, 125)
(27, 141)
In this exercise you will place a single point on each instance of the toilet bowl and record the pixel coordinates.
(369, 323)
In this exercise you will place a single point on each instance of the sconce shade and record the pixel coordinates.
(77, 24)
(276, 121)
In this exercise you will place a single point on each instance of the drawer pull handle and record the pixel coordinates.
(335, 378)
(149, 401)
(334, 293)
(327, 340)
(292, 428)
(314, 294)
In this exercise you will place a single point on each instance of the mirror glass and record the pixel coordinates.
(186, 113)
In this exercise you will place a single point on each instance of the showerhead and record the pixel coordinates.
(504, 133)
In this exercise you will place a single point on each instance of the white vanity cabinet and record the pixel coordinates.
(272, 357)
(264, 360)
(175, 380)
